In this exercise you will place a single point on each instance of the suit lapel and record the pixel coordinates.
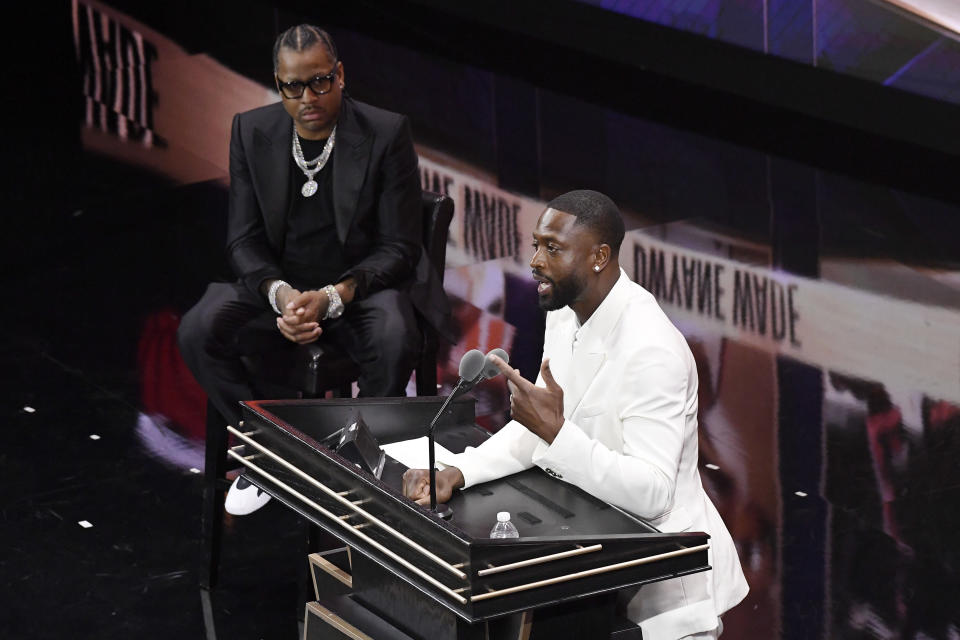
(585, 362)
(561, 357)
(271, 166)
(581, 364)
(351, 155)
(573, 369)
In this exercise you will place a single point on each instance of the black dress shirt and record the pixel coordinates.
(312, 254)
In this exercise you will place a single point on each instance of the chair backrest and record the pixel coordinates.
(437, 214)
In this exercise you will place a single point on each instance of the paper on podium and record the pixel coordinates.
(414, 454)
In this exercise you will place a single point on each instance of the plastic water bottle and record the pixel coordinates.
(504, 528)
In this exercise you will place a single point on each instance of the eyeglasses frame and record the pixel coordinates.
(306, 85)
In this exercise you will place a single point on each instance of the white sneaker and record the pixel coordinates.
(244, 497)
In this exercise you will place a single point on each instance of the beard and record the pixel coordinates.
(562, 293)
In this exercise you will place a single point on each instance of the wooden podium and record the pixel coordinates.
(404, 572)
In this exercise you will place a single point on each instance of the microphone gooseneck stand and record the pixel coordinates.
(474, 367)
(471, 370)
(444, 511)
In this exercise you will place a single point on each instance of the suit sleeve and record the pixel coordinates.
(398, 219)
(249, 253)
(642, 478)
(509, 450)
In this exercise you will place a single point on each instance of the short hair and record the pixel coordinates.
(595, 211)
(301, 38)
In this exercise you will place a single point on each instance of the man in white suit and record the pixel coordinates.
(614, 411)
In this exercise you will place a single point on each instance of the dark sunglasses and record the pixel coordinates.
(318, 84)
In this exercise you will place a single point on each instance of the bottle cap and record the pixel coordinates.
(503, 516)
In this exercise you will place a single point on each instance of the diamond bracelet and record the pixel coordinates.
(335, 304)
(272, 294)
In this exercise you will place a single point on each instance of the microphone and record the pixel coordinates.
(487, 370)
(474, 367)
(471, 364)
(491, 370)
(471, 371)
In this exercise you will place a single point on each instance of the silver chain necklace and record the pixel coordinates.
(310, 186)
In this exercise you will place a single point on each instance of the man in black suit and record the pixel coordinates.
(324, 234)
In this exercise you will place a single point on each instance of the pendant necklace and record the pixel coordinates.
(310, 186)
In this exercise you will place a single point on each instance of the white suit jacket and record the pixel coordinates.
(629, 438)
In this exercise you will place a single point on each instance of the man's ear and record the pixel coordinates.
(601, 257)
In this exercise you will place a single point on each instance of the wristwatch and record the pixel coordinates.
(335, 304)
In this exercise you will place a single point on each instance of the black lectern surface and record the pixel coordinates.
(571, 546)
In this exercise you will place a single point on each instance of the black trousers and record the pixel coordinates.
(380, 333)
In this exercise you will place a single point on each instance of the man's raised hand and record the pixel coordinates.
(539, 409)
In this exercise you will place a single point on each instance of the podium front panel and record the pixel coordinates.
(572, 545)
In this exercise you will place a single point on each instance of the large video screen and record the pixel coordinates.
(913, 45)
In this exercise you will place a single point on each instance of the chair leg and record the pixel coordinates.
(214, 475)
(427, 367)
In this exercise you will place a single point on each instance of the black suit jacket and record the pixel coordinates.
(376, 200)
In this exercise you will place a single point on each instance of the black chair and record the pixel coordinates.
(310, 371)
